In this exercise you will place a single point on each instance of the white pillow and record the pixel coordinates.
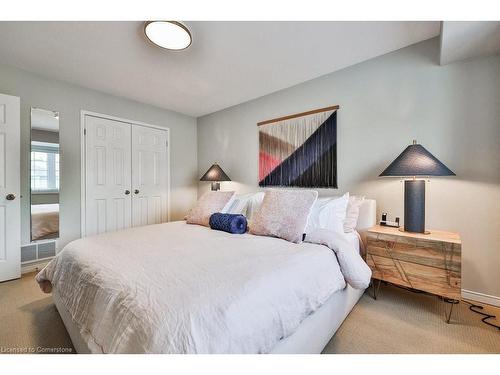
(352, 214)
(244, 204)
(328, 213)
(237, 205)
(254, 204)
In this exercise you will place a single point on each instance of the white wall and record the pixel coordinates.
(69, 100)
(453, 110)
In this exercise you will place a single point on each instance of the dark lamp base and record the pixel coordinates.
(215, 186)
(414, 206)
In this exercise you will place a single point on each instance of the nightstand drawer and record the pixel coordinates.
(386, 269)
(417, 276)
(437, 254)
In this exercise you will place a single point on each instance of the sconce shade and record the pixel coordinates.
(215, 173)
(415, 160)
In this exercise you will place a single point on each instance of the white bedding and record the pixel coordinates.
(355, 241)
(356, 272)
(44, 220)
(179, 288)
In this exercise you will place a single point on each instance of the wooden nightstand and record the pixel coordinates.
(426, 262)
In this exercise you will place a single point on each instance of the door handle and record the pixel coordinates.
(127, 192)
(136, 191)
(10, 197)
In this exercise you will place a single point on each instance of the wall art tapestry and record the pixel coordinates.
(299, 150)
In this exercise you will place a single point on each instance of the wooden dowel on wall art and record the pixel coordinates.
(326, 109)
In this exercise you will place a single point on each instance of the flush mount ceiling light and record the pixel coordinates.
(170, 35)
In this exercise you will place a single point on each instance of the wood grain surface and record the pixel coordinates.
(430, 263)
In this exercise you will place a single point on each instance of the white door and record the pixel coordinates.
(10, 209)
(108, 192)
(149, 175)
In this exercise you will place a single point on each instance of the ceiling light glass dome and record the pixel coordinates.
(170, 35)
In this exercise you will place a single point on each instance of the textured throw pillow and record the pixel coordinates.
(352, 214)
(209, 203)
(328, 213)
(283, 214)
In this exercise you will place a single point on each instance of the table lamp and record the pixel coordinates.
(215, 174)
(415, 161)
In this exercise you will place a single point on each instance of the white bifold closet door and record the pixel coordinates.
(108, 175)
(126, 175)
(149, 175)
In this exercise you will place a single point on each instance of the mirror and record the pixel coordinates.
(44, 174)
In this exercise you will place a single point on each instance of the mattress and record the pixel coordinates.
(179, 288)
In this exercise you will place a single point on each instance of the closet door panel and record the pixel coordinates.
(108, 175)
(149, 175)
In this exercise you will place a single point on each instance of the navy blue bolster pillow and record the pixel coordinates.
(231, 223)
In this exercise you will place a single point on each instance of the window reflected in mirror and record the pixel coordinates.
(44, 174)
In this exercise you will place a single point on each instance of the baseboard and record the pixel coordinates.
(34, 266)
(480, 297)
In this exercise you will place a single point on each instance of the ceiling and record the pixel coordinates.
(461, 40)
(227, 64)
(42, 119)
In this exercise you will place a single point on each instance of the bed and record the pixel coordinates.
(44, 221)
(234, 294)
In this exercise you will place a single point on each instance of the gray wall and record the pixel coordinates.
(47, 198)
(69, 100)
(453, 110)
(44, 136)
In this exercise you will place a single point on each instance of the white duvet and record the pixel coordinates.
(179, 288)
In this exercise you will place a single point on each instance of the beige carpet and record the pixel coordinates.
(29, 321)
(398, 322)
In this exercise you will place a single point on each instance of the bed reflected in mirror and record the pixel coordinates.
(44, 174)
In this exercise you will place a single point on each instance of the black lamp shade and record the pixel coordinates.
(215, 173)
(415, 160)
